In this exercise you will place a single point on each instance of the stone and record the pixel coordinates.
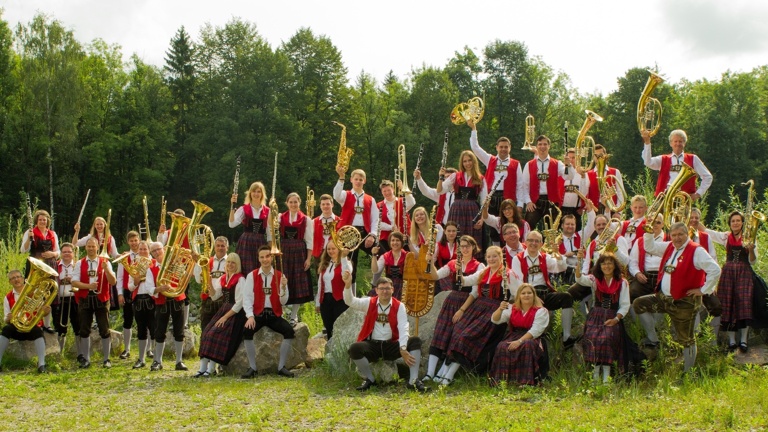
(267, 344)
(757, 355)
(116, 339)
(25, 350)
(315, 351)
(188, 349)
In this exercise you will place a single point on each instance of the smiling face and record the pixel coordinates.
(542, 148)
(388, 192)
(420, 217)
(326, 206)
(534, 243)
(736, 222)
(467, 163)
(466, 250)
(17, 280)
(512, 236)
(144, 249)
(256, 196)
(569, 226)
(526, 296)
(395, 244)
(493, 258)
(294, 204)
(332, 250)
(42, 222)
(677, 143)
(679, 237)
(67, 254)
(358, 181)
(133, 243)
(450, 233)
(265, 259)
(99, 224)
(600, 223)
(608, 266)
(638, 209)
(384, 291)
(92, 247)
(502, 149)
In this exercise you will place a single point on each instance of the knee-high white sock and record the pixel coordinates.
(606, 373)
(142, 349)
(78, 345)
(566, 318)
(285, 349)
(86, 347)
(159, 348)
(105, 347)
(648, 322)
(432, 365)
(211, 366)
(204, 365)
(4, 341)
(250, 351)
(365, 368)
(715, 323)
(295, 312)
(40, 351)
(451, 372)
(596, 373)
(443, 370)
(696, 323)
(414, 370)
(127, 333)
(179, 350)
(745, 334)
(689, 357)
(185, 309)
(731, 337)
(47, 320)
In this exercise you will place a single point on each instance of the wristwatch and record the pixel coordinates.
(403, 347)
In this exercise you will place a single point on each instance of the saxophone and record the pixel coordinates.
(345, 154)
(752, 218)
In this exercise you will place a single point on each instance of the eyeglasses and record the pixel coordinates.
(154, 251)
(533, 241)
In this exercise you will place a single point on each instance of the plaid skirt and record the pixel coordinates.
(294, 256)
(519, 366)
(735, 292)
(474, 330)
(462, 212)
(602, 344)
(444, 327)
(248, 249)
(220, 344)
(444, 284)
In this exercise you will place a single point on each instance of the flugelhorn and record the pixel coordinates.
(530, 133)
(753, 218)
(648, 108)
(345, 154)
(673, 204)
(137, 269)
(40, 289)
(585, 145)
(473, 109)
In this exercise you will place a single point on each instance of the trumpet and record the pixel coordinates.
(753, 218)
(530, 134)
(585, 145)
(310, 203)
(473, 109)
(144, 229)
(345, 154)
(648, 108)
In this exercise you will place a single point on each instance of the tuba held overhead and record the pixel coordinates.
(39, 291)
(648, 108)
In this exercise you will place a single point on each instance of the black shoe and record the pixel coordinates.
(85, 364)
(570, 342)
(150, 354)
(139, 364)
(250, 373)
(286, 373)
(124, 355)
(156, 366)
(366, 385)
(107, 364)
(732, 347)
(418, 386)
(80, 359)
(180, 366)
(48, 330)
(42, 369)
(743, 347)
(203, 374)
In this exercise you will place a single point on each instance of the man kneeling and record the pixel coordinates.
(384, 334)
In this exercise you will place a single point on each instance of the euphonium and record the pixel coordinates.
(585, 145)
(608, 191)
(40, 289)
(472, 109)
(551, 234)
(345, 154)
(648, 108)
(137, 269)
(104, 252)
(310, 203)
(608, 233)
(401, 171)
(530, 133)
(673, 204)
(753, 218)
(178, 264)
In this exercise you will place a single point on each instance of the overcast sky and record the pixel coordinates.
(593, 42)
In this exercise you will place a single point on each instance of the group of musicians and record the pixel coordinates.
(500, 272)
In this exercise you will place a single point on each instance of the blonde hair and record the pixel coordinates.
(640, 198)
(358, 172)
(293, 194)
(235, 258)
(254, 186)
(477, 178)
(93, 227)
(414, 237)
(519, 302)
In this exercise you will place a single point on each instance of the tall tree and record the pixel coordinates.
(180, 75)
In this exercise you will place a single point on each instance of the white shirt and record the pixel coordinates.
(570, 199)
(248, 296)
(219, 265)
(121, 272)
(721, 238)
(381, 331)
(631, 236)
(451, 180)
(701, 261)
(495, 222)
(540, 321)
(432, 194)
(238, 219)
(445, 271)
(624, 304)
(309, 229)
(327, 277)
(654, 163)
(543, 183)
(112, 247)
(570, 246)
(65, 290)
(622, 254)
(537, 279)
(651, 261)
(340, 195)
(324, 220)
(501, 171)
(147, 286)
(91, 264)
(389, 206)
(712, 252)
(477, 279)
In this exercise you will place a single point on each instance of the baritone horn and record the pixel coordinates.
(473, 109)
(648, 108)
(40, 289)
(345, 154)
(585, 145)
(530, 133)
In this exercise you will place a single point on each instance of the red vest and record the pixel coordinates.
(641, 252)
(318, 240)
(258, 293)
(576, 243)
(472, 266)
(519, 321)
(337, 284)
(542, 267)
(594, 191)
(554, 193)
(12, 301)
(639, 230)
(494, 284)
(399, 210)
(461, 182)
(299, 224)
(102, 282)
(155, 269)
(508, 256)
(440, 215)
(370, 319)
(686, 276)
(38, 236)
(663, 181)
(248, 211)
(348, 211)
(510, 181)
(444, 253)
(703, 240)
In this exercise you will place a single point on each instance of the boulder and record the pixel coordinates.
(189, 348)
(25, 350)
(315, 350)
(267, 344)
(116, 339)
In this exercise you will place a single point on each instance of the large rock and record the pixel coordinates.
(348, 325)
(267, 344)
(25, 350)
(116, 339)
(315, 350)
(189, 348)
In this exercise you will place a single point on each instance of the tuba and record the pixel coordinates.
(177, 263)
(473, 109)
(40, 289)
(753, 218)
(104, 252)
(551, 234)
(345, 154)
(610, 186)
(585, 145)
(648, 108)
(673, 204)
(137, 269)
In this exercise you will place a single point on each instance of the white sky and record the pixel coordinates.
(594, 42)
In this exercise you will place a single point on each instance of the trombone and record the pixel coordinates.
(144, 228)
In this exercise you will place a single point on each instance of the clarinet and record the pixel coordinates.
(445, 154)
(459, 269)
(487, 201)
(565, 144)
(418, 164)
(236, 182)
(378, 224)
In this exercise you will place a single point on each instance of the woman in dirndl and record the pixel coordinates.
(223, 334)
(446, 251)
(474, 336)
(391, 263)
(736, 286)
(519, 355)
(603, 341)
(469, 186)
(421, 230)
(296, 246)
(460, 298)
(254, 216)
